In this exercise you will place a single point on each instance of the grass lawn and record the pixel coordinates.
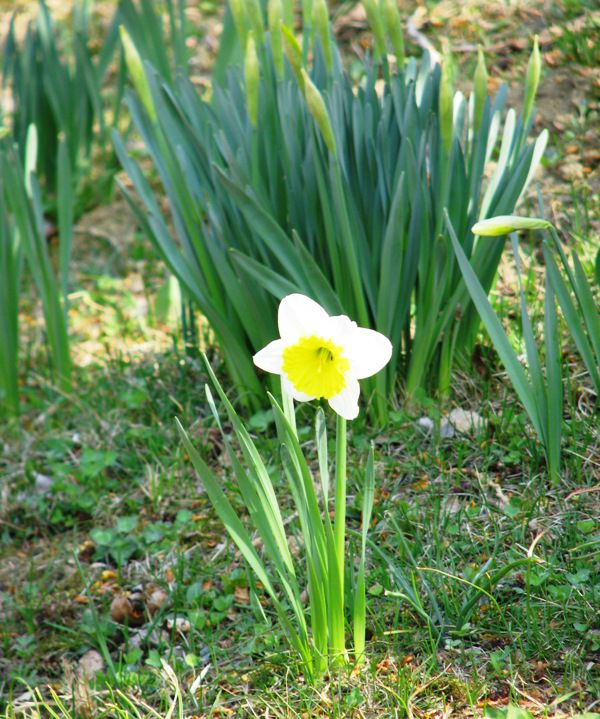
(121, 595)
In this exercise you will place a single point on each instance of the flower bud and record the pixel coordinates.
(240, 20)
(532, 80)
(446, 103)
(275, 11)
(317, 108)
(136, 72)
(257, 22)
(321, 24)
(293, 53)
(393, 26)
(503, 224)
(252, 77)
(480, 83)
(376, 23)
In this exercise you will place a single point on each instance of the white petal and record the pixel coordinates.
(299, 316)
(368, 351)
(346, 402)
(340, 328)
(270, 358)
(290, 389)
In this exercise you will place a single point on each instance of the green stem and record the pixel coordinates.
(339, 526)
(287, 402)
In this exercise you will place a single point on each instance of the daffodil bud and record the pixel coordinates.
(252, 77)
(240, 20)
(321, 25)
(376, 22)
(532, 80)
(136, 72)
(317, 108)
(480, 83)
(503, 224)
(446, 103)
(393, 26)
(256, 19)
(293, 53)
(275, 12)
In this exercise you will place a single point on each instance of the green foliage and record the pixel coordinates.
(510, 712)
(578, 304)
(461, 581)
(24, 202)
(578, 40)
(541, 392)
(23, 239)
(121, 542)
(55, 84)
(322, 643)
(166, 51)
(100, 451)
(57, 115)
(11, 263)
(272, 208)
(426, 591)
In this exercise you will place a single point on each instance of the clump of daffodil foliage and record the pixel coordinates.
(317, 357)
(293, 176)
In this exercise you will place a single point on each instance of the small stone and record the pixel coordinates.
(90, 664)
(120, 608)
(157, 599)
(446, 428)
(180, 623)
(452, 505)
(466, 422)
(126, 611)
(145, 637)
(43, 483)
(425, 424)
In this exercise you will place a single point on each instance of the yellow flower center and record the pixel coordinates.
(316, 366)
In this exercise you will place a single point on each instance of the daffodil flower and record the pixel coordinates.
(320, 356)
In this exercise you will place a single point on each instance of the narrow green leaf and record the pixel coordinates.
(573, 320)
(65, 210)
(495, 330)
(554, 383)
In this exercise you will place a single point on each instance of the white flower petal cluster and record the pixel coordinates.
(319, 355)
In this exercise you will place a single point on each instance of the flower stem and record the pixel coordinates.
(339, 526)
(288, 407)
